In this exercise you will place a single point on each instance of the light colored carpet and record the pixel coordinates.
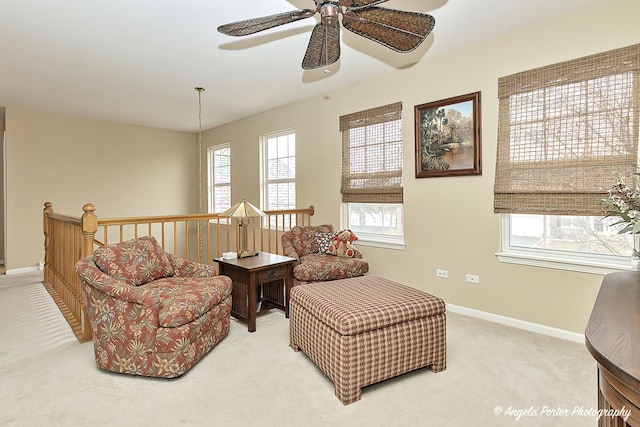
(254, 379)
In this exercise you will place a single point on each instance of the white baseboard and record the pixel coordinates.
(23, 270)
(516, 323)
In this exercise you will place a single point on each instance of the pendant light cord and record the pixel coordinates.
(200, 197)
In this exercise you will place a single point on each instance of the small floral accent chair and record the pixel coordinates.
(152, 313)
(308, 245)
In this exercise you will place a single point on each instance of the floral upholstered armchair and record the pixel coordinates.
(308, 245)
(152, 313)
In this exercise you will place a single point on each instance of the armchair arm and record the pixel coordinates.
(118, 312)
(356, 252)
(287, 246)
(92, 276)
(186, 268)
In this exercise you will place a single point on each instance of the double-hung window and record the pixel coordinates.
(279, 156)
(566, 133)
(219, 178)
(372, 174)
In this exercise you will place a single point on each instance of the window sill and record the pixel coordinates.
(592, 266)
(398, 246)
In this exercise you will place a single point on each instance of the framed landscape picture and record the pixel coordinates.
(448, 137)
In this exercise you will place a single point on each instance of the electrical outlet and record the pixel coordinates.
(473, 278)
(442, 273)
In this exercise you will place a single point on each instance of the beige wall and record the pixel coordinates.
(449, 222)
(2, 218)
(123, 170)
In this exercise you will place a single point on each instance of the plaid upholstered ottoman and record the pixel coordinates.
(366, 329)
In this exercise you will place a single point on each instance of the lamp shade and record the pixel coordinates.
(243, 209)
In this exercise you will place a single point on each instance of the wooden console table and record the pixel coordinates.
(613, 339)
(265, 272)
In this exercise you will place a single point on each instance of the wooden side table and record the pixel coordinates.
(258, 279)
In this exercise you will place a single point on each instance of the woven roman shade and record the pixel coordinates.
(566, 133)
(372, 155)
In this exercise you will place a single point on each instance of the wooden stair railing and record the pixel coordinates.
(197, 237)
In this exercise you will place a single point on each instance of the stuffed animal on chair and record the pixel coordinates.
(341, 245)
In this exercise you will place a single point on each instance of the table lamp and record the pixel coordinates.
(242, 211)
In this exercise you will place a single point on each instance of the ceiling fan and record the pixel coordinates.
(398, 30)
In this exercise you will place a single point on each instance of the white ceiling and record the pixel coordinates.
(138, 61)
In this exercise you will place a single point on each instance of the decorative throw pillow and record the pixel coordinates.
(323, 240)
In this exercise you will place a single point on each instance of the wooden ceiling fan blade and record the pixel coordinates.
(399, 30)
(324, 46)
(250, 26)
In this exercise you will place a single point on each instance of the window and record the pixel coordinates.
(219, 178)
(279, 153)
(368, 220)
(566, 132)
(565, 242)
(372, 174)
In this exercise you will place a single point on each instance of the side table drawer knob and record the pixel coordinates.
(271, 273)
